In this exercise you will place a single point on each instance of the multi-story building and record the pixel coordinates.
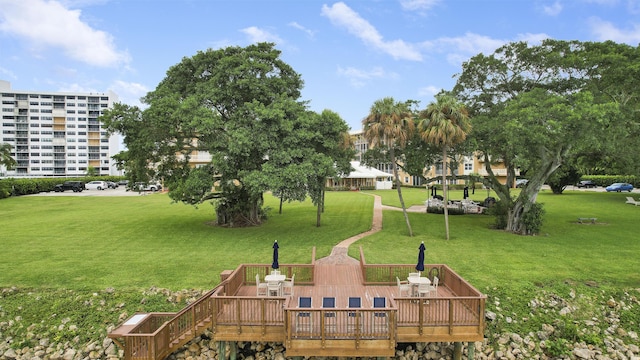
(56, 133)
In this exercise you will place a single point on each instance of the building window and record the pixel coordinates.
(468, 166)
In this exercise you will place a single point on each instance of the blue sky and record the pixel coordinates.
(349, 53)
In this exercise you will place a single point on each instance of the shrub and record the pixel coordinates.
(532, 219)
(501, 211)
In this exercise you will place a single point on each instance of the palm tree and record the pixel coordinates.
(444, 123)
(5, 156)
(390, 123)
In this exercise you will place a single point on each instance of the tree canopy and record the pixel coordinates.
(236, 112)
(444, 124)
(389, 125)
(536, 107)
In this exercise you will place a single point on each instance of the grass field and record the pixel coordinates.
(138, 242)
(92, 261)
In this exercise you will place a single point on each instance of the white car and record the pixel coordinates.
(96, 185)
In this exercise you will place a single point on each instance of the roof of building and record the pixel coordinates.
(364, 172)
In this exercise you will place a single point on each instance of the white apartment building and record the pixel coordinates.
(56, 133)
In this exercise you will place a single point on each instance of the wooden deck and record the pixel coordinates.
(233, 312)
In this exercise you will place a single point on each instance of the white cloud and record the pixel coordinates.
(256, 34)
(459, 49)
(553, 9)
(602, 2)
(604, 30)
(532, 39)
(7, 73)
(633, 6)
(429, 91)
(341, 15)
(418, 4)
(359, 78)
(295, 25)
(49, 24)
(129, 92)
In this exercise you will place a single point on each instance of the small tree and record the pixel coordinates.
(5, 156)
(91, 171)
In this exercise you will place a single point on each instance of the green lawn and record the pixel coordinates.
(137, 242)
(565, 251)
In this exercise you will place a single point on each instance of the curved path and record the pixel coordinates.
(339, 252)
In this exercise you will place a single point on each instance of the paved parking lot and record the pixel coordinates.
(120, 191)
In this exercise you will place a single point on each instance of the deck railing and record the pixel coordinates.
(354, 323)
(245, 311)
(439, 311)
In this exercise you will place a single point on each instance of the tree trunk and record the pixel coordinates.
(280, 210)
(529, 193)
(444, 191)
(239, 211)
(399, 188)
(320, 208)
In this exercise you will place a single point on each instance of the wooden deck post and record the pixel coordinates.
(471, 348)
(457, 350)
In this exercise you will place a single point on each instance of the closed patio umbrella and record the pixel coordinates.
(420, 264)
(275, 264)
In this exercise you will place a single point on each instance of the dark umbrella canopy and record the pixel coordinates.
(420, 265)
(275, 265)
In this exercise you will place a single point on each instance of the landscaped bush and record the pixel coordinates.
(17, 187)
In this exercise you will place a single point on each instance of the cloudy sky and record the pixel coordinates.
(349, 53)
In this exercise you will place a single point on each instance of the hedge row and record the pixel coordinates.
(16, 187)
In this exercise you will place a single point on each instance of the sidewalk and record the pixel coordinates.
(339, 252)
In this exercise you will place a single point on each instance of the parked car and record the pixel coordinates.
(75, 186)
(123, 182)
(521, 183)
(618, 187)
(586, 184)
(140, 186)
(96, 185)
(112, 185)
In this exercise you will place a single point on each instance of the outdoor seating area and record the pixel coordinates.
(466, 206)
(352, 310)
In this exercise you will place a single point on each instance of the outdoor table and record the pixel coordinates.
(416, 281)
(274, 277)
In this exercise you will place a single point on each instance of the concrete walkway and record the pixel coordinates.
(339, 252)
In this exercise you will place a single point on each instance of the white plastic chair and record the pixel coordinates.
(261, 288)
(274, 288)
(404, 289)
(287, 286)
(433, 288)
(423, 289)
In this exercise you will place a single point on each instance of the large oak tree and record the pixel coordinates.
(238, 105)
(534, 107)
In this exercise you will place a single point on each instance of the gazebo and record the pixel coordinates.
(363, 177)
